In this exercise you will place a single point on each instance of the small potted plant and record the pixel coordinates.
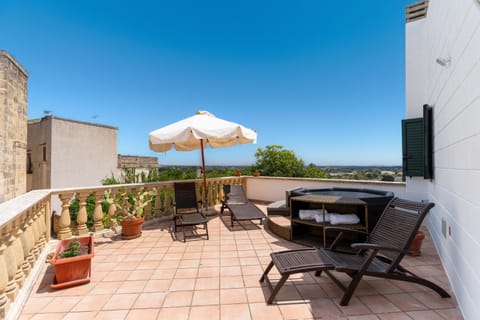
(130, 209)
(72, 262)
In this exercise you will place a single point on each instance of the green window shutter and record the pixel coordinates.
(417, 145)
(413, 147)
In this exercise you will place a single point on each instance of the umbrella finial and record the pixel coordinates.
(204, 113)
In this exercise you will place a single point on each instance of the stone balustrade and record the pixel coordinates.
(24, 232)
(25, 223)
(162, 205)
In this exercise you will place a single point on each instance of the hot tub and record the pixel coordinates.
(376, 200)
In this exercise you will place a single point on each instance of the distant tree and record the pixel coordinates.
(312, 171)
(388, 177)
(358, 175)
(176, 174)
(277, 162)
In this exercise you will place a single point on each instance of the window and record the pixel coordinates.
(29, 161)
(44, 152)
(417, 145)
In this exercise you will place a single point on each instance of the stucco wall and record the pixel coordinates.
(13, 127)
(273, 188)
(82, 154)
(451, 29)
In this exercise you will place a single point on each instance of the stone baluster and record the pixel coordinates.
(167, 210)
(64, 231)
(216, 193)
(222, 194)
(34, 252)
(4, 276)
(158, 202)
(82, 213)
(18, 251)
(112, 212)
(210, 198)
(11, 289)
(47, 220)
(28, 243)
(148, 208)
(98, 212)
(36, 230)
(43, 214)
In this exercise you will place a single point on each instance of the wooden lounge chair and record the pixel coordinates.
(379, 256)
(237, 203)
(186, 209)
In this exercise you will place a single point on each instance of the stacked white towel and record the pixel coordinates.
(343, 218)
(309, 214)
(319, 217)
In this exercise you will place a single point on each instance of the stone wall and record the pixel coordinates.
(13, 127)
(137, 162)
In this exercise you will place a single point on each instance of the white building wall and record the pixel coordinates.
(81, 154)
(451, 29)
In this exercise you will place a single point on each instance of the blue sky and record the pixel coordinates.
(322, 78)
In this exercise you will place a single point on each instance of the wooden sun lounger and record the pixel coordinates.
(240, 208)
(379, 256)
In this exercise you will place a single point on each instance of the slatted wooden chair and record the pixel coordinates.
(187, 209)
(379, 256)
(235, 200)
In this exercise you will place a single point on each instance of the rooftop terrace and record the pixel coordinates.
(156, 276)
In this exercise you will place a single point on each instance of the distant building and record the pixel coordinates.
(13, 127)
(137, 162)
(64, 153)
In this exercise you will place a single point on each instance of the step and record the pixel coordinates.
(280, 225)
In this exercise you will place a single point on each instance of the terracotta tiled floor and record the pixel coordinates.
(156, 277)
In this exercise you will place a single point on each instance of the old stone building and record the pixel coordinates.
(137, 162)
(13, 127)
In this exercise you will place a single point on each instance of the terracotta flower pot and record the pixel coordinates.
(72, 271)
(416, 244)
(132, 229)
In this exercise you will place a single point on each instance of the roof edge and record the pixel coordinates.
(6, 54)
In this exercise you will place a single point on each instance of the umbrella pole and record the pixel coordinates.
(204, 172)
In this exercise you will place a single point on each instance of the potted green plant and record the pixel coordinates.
(130, 209)
(72, 262)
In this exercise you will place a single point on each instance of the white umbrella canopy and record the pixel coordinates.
(198, 132)
(185, 135)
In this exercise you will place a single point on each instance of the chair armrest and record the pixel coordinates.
(341, 231)
(376, 247)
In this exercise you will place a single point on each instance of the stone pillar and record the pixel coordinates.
(64, 231)
(112, 213)
(158, 202)
(12, 287)
(13, 127)
(82, 214)
(4, 301)
(28, 243)
(166, 203)
(98, 212)
(18, 251)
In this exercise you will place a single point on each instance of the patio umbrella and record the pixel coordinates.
(199, 132)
